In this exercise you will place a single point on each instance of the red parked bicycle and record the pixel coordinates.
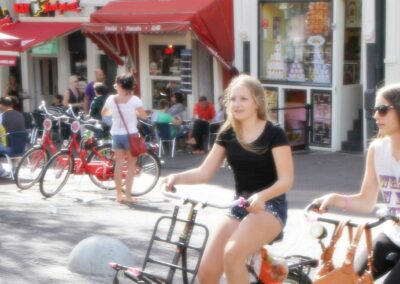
(32, 163)
(92, 157)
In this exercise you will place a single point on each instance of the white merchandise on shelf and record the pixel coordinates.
(276, 66)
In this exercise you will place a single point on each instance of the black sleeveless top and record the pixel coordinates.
(73, 100)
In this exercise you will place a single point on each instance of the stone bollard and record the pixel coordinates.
(92, 255)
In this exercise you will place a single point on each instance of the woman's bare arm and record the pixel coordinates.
(204, 172)
(285, 173)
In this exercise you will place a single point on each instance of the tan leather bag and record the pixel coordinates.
(345, 274)
(326, 256)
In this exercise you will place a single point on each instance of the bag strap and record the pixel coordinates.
(120, 114)
(338, 232)
(368, 240)
(353, 246)
(328, 252)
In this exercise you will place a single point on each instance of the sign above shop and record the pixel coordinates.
(39, 8)
(49, 48)
(136, 28)
(6, 60)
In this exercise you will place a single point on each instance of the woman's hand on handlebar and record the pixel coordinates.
(169, 182)
(324, 202)
(256, 204)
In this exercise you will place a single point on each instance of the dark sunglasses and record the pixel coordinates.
(382, 109)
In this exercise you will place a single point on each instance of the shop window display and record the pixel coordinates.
(296, 41)
(165, 60)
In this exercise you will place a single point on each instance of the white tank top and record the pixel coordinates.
(387, 169)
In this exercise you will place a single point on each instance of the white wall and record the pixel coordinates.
(245, 29)
(392, 53)
(63, 65)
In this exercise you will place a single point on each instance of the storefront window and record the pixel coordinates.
(321, 118)
(296, 117)
(272, 99)
(352, 42)
(165, 60)
(296, 42)
(163, 89)
(77, 51)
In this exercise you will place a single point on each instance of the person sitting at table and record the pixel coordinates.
(162, 115)
(203, 114)
(177, 108)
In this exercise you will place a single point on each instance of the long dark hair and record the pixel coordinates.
(126, 81)
(391, 93)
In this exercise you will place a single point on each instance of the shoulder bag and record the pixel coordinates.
(327, 254)
(345, 274)
(138, 146)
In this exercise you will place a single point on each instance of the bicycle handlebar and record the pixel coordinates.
(314, 207)
(52, 116)
(241, 202)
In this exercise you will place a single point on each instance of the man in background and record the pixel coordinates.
(90, 92)
(10, 121)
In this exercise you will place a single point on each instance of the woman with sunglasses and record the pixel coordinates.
(124, 107)
(382, 173)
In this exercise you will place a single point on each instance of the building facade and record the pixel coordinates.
(166, 60)
(308, 55)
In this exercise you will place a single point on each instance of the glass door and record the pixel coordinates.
(295, 120)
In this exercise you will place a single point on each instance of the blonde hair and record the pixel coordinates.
(391, 93)
(258, 93)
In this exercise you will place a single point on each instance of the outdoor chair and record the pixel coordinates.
(166, 132)
(213, 132)
(16, 144)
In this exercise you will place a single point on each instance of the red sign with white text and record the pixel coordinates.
(7, 60)
(44, 7)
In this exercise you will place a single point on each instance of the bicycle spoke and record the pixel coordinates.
(147, 174)
(30, 168)
(55, 174)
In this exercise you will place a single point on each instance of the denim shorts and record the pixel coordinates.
(121, 142)
(277, 207)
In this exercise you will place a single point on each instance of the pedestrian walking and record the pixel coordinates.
(125, 108)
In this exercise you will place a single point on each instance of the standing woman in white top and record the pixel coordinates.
(382, 173)
(131, 108)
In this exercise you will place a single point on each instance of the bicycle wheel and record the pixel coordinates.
(297, 277)
(102, 161)
(30, 167)
(55, 174)
(148, 170)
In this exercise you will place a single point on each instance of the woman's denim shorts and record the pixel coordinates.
(120, 142)
(277, 207)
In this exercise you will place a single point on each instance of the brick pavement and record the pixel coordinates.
(37, 235)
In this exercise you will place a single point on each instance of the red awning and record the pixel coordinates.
(7, 60)
(114, 27)
(34, 33)
(8, 42)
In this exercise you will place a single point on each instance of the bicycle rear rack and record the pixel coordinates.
(180, 240)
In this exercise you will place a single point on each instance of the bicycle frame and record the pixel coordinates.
(46, 145)
(103, 171)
